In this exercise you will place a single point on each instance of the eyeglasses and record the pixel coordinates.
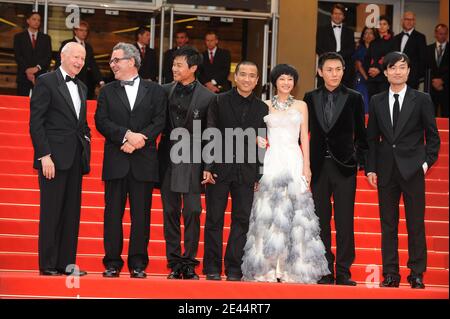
(116, 60)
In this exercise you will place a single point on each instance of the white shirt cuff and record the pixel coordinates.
(425, 167)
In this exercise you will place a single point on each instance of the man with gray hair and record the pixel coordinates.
(61, 142)
(130, 115)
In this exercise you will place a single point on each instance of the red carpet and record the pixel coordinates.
(19, 218)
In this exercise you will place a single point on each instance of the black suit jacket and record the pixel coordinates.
(406, 146)
(346, 137)
(218, 70)
(114, 117)
(27, 57)
(90, 73)
(54, 126)
(185, 177)
(221, 115)
(167, 65)
(440, 71)
(415, 49)
(149, 64)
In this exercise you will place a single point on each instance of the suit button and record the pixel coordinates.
(394, 146)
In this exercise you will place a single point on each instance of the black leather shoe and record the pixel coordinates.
(390, 281)
(233, 278)
(175, 274)
(79, 273)
(111, 273)
(326, 280)
(345, 282)
(189, 273)
(416, 282)
(213, 277)
(138, 273)
(50, 272)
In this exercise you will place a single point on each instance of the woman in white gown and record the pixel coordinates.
(283, 241)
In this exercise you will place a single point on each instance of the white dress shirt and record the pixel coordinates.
(74, 94)
(80, 41)
(405, 39)
(132, 90)
(337, 35)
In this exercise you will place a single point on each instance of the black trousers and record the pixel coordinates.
(216, 202)
(172, 210)
(23, 88)
(440, 100)
(331, 182)
(413, 192)
(59, 219)
(140, 198)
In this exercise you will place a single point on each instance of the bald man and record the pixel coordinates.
(414, 45)
(61, 142)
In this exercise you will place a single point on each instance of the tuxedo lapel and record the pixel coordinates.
(331, 36)
(385, 114)
(120, 91)
(172, 89)
(341, 100)
(194, 98)
(62, 88)
(405, 112)
(142, 91)
(318, 102)
(83, 106)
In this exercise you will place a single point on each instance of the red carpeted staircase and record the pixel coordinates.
(19, 219)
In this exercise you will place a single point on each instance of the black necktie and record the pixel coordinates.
(131, 82)
(329, 109)
(74, 80)
(396, 111)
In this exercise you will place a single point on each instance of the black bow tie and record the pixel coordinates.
(337, 26)
(405, 33)
(74, 80)
(185, 89)
(123, 83)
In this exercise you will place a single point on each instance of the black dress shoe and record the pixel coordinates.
(78, 273)
(390, 281)
(175, 274)
(189, 273)
(213, 277)
(111, 273)
(416, 282)
(233, 278)
(345, 282)
(50, 272)
(326, 280)
(138, 273)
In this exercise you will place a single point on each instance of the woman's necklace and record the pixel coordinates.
(282, 106)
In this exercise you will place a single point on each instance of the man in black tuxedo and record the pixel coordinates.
(181, 40)
(238, 109)
(149, 65)
(398, 160)
(338, 147)
(188, 102)
(216, 65)
(90, 74)
(414, 45)
(437, 64)
(130, 115)
(61, 142)
(33, 53)
(336, 37)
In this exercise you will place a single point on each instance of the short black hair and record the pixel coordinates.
(211, 32)
(393, 57)
(330, 56)
(141, 30)
(245, 62)
(281, 69)
(30, 14)
(191, 54)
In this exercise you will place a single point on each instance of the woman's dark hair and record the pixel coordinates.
(361, 39)
(393, 57)
(386, 18)
(191, 54)
(330, 56)
(281, 69)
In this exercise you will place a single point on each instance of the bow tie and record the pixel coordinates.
(131, 82)
(185, 89)
(337, 26)
(405, 33)
(74, 80)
